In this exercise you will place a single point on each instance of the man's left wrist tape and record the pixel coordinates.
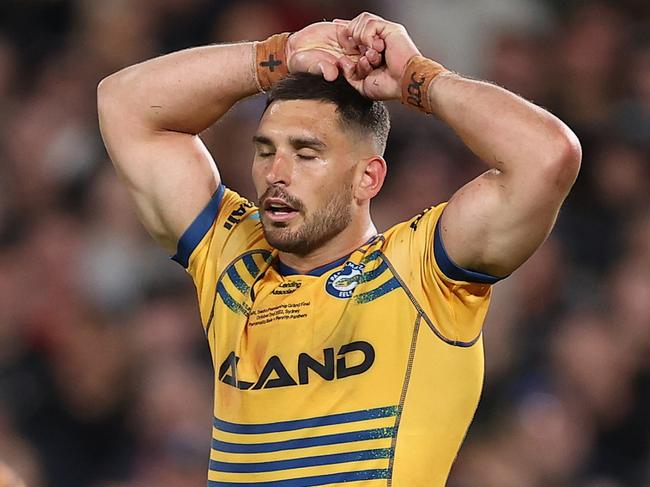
(418, 76)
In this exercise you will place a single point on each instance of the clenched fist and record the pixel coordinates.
(383, 50)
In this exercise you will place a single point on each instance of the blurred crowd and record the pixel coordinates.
(105, 375)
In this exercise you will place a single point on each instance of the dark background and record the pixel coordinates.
(105, 377)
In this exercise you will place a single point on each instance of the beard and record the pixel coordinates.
(318, 228)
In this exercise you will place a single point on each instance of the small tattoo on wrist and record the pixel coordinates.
(415, 91)
(271, 63)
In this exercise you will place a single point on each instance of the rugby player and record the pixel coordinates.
(341, 354)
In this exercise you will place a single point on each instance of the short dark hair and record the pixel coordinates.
(355, 111)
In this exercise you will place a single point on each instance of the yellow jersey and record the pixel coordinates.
(366, 371)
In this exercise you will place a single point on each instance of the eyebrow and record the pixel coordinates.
(260, 139)
(310, 142)
(296, 142)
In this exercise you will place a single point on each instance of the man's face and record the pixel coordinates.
(303, 172)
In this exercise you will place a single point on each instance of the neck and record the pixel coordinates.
(353, 237)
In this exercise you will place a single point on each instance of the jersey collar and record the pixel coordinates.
(285, 270)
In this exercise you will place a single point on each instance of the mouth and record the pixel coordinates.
(279, 211)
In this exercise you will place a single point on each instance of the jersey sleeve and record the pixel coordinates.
(455, 300)
(227, 227)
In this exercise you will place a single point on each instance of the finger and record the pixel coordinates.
(375, 84)
(371, 32)
(363, 67)
(353, 23)
(357, 29)
(324, 69)
(329, 71)
(374, 57)
(315, 61)
(327, 66)
(340, 21)
(348, 68)
(354, 26)
(365, 29)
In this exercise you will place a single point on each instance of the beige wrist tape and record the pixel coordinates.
(419, 74)
(270, 60)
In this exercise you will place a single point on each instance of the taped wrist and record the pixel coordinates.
(271, 60)
(419, 74)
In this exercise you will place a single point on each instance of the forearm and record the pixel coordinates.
(510, 134)
(186, 91)
(496, 221)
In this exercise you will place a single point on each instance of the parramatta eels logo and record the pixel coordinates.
(341, 284)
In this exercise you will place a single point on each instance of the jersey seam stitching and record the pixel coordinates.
(402, 399)
(455, 343)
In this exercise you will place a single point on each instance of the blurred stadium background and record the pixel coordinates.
(105, 378)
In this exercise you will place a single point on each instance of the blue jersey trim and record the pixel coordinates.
(450, 269)
(298, 443)
(251, 266)
(385, 288)
(328, 479)
(286, 270)
(274, 466)
(237, 280)
(199, 227)
(251, 429)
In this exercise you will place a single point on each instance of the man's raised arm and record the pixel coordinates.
(496, 221)
(151, 114)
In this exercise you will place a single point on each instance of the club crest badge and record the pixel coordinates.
(341, 283)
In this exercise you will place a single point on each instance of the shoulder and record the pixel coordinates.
(420, 225)
(229, 222)
(418, 242)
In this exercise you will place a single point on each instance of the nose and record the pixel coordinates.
(280, 170)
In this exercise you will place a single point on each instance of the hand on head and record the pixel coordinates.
(316, 50)
(372, 53)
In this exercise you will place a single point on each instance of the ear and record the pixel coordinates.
(373, 173)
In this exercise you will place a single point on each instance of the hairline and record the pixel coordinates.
(360, 131)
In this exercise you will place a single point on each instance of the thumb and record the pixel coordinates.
(329, 71)
(347, 65)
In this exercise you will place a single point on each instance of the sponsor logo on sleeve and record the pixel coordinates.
(237, 214)
(418, 217)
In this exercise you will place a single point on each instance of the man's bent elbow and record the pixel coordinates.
(563, 166)
(106, 94)
(115, 91)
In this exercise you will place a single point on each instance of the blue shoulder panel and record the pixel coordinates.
(450, 269)
(199, 227)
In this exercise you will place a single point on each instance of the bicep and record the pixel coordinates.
(494, 225)
(171, 176)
